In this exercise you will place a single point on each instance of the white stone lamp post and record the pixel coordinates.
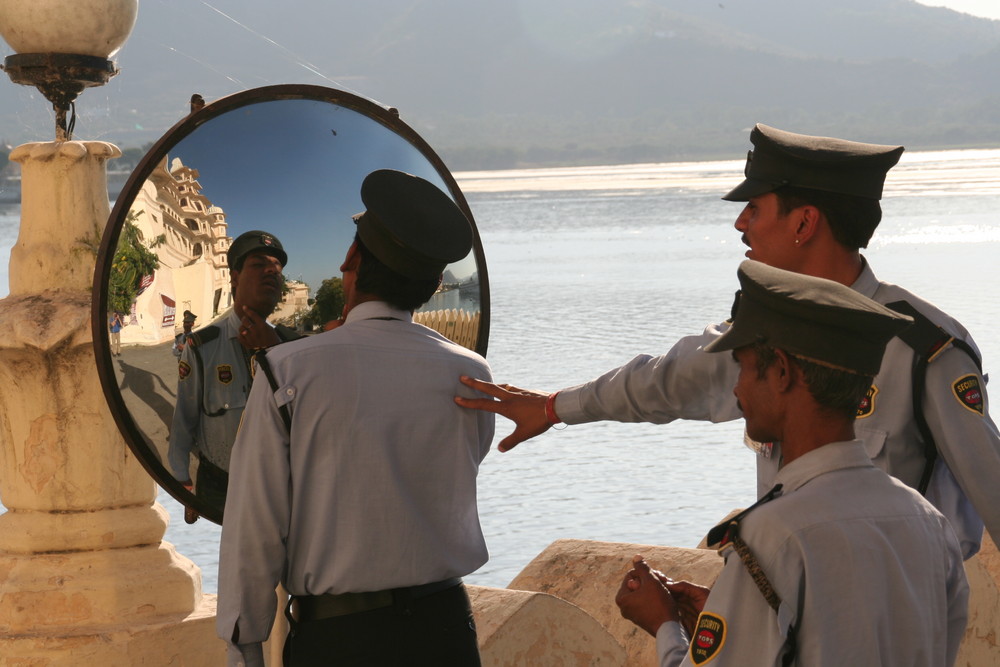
(64, 46)
(85, 578)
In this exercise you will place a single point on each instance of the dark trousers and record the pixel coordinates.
(436, 630)
(211, 483)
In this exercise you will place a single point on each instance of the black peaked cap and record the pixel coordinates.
(411, 225)
(816, 319)
(782, 158)
(247, 242)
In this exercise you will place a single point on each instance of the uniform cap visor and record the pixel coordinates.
(750, 188)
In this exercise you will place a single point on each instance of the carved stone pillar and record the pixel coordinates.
(85, 578)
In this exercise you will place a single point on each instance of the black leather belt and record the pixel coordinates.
(317, 607)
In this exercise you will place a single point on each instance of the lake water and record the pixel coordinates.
(590, 266)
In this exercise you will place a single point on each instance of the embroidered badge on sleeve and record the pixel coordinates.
(225, 372)
(867, 405)
(709, 638)
(183, 369)
(969, 393)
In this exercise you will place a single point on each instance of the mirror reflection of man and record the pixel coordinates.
(180, 340)
(214, 369)
(354, 473)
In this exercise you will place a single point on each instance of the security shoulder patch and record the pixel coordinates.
(225, 373)
(969, 393)
(183, 370)
(205, 335)
(708, 639)
(867, 405)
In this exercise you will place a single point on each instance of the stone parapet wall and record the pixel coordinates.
(588, 575)
(525, 628)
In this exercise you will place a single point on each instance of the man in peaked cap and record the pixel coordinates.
(354, 473)
(811, 204)
(836, 548)
(180, 340)
(214, 372)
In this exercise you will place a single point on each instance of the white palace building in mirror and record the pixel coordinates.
(189, 235)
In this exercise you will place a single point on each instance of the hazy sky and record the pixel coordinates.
(986, 8)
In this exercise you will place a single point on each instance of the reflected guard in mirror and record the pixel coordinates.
(277, 170)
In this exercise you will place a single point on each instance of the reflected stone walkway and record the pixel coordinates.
(147, 377)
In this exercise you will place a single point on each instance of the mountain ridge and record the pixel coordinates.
(507, 84)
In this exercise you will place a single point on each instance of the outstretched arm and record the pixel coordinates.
(525, 407)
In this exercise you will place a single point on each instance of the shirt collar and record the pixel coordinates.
(370, 310)
(867, 283)
(830, 457)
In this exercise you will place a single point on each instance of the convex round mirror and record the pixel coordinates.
(286, 160)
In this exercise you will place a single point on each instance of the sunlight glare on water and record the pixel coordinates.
(590, 266)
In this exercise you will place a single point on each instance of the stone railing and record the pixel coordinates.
(459, 326)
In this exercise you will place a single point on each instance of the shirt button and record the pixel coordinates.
(226, 406)
(290, 391)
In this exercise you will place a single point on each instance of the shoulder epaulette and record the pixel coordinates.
(206, 335)
(923, 336)
(723, 533)
(286, 333)
(928, 341)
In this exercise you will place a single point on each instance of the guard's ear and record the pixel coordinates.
(808, 220)
(784, 370)
(353, 259)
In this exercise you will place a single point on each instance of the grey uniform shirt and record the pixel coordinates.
(212, 387)
(687, 383)
(375, 488)
(867, 571)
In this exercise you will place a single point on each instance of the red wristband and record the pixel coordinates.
(550, 409)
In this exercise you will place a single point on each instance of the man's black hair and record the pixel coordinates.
(839, 391)
(379, 280)
(852, 219)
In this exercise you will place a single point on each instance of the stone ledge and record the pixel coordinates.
(524, 628)
(588, 574)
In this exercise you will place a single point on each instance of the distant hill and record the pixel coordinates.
(515, 82)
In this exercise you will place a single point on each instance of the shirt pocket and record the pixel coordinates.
(220, 398)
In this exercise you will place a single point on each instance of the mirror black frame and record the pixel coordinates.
(385, 116)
